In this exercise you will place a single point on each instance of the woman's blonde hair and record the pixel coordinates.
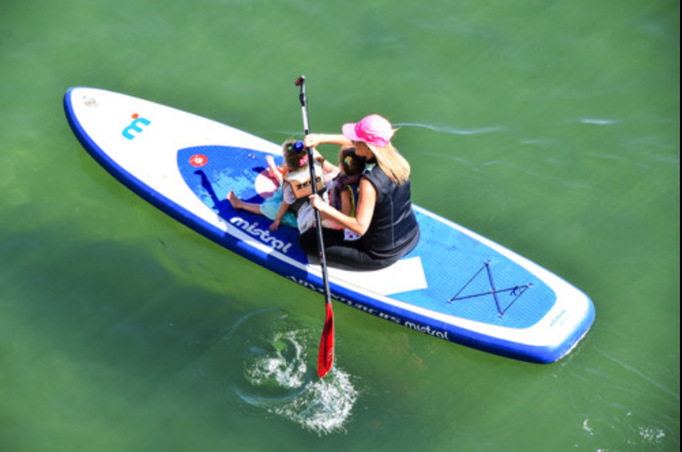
(396, 167)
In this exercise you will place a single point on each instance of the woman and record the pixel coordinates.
(384, 219)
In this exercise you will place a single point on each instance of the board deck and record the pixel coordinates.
(456, 285)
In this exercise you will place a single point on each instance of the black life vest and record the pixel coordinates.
(393, 231)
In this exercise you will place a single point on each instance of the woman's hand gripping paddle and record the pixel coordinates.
(326, 354)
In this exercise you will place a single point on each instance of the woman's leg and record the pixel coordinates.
(339, 252)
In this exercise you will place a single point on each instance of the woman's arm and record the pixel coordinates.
(367, 195)
(314, 139)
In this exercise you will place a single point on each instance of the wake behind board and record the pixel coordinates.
(456, 285)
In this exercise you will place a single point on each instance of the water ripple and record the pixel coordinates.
(452, 130)
(275, 376)
(598, 121)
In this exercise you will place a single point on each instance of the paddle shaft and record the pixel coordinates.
(326, 355)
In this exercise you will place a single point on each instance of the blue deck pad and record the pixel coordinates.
(456, 267)
(465, 278)
(212, 171)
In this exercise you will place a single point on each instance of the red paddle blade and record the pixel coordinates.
(326, 356)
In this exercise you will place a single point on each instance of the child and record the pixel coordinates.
(294, 187)
(342, 191)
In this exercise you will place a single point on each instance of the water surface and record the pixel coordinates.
(551, 127)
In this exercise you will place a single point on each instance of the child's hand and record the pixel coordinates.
(275, 225)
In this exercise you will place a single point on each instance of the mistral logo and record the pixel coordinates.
(427, 329)
(263, 234)
(135, 127)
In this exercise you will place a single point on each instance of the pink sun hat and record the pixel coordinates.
(373, 130)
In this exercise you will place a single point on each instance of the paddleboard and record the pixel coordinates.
(455, 285)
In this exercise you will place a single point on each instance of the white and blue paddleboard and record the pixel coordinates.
(456, 285)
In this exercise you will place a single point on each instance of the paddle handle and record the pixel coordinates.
(326, 353)
(300, 82)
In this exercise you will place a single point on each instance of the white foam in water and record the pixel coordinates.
(652, 435)
(286, 371)
(281, 383)
(324, 406)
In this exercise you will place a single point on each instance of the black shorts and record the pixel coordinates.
(350, 254)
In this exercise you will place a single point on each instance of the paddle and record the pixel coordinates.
(326, 354)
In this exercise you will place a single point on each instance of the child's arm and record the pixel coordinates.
(280, 214)
(346, 203)
(329, 168)
(346, 209)
(274, 170)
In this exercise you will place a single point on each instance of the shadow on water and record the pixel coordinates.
(97, 335)
(106, 300)
(121, 320)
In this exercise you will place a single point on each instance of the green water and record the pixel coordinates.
(551, 127)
